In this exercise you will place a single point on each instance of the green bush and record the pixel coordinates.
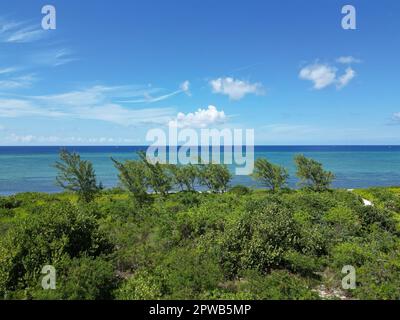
(44, 239)
(82, 278)
(240, 190)
(143, 285)
(258, 239)
(278, 285)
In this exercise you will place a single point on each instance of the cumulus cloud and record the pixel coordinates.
(321, 75)
(348, 60)
(201, 118)
(324, 75)
(234, 88)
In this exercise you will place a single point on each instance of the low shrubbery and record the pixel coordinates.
(176, 243)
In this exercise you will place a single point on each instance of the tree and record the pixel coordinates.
(157, 175)
(184, 176)
(312, 175)
(77, 175)
(270, 175)
(216, 177)
(132, 175)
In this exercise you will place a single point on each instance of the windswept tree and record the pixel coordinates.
(270, 175)
(184, 176)
(312, 175)
(77, 175)
(132, 176)
(158, 176)
(215, 177)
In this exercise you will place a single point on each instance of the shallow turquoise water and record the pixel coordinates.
(30, 168)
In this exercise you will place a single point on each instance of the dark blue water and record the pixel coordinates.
(30, 168)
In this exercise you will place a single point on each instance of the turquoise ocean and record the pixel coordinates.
(29, 169)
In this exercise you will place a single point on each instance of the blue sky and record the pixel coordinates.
(112, 70)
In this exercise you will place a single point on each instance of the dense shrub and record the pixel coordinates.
(279, 285)
(82, 278)
(143, 285)
(258, 239)
(44, 239)
(240, 190)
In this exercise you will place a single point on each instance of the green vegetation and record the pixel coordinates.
(77, 175)
(142, 241)
(312, 175)
(270, 175)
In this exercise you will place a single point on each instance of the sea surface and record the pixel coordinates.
(30, 169)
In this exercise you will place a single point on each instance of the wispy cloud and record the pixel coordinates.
(17, 82)
(348, 60)
(75, 140)
(53, 57)
(346, 78)
(20, 32)
(94, 103)
(7, 70)
(396, 117)
(148, 98)
(235, 89)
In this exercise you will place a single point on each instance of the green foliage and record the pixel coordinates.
(279, 285)
(82, 278)
(312, 175)
(157, 175)
(215, 177)
(143, 285)
(132, 176)
(45, 239)
(77, 175)
(241, 244)
(9, 202)
(184, 176)
(270, 175)
(258, 239)
(188, 272)
(240, 190)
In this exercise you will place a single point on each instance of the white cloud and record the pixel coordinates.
(185, 87)
(234, 88)
(201, 118)
(7, 70)
(346, 78)
(54, 57)
(348, 60)
(148, 98)
(396, 116)
(94, 103)
(49, 140)
(324, 75)
(17, 82)
(20, 32)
